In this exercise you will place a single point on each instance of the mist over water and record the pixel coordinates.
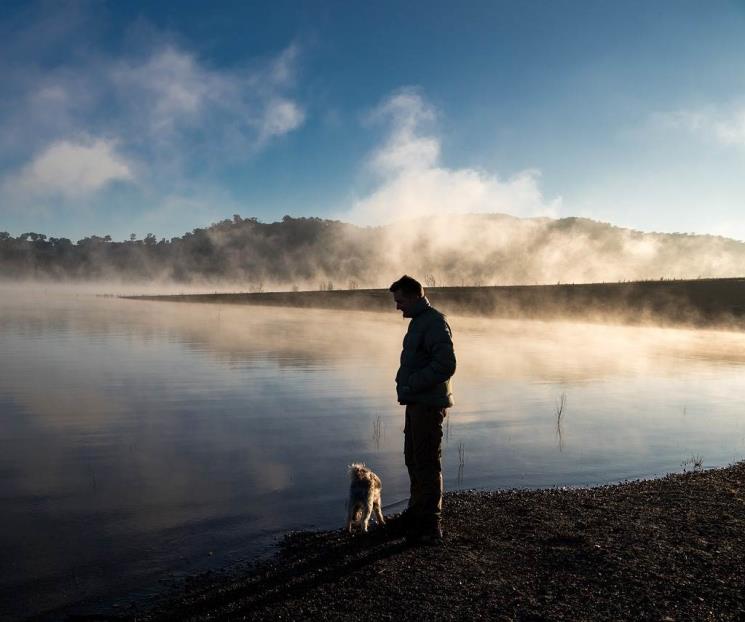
(244, 254)
(139, 439)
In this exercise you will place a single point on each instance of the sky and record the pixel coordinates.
(160, 117)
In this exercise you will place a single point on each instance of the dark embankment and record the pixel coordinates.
(701, 302)
(665, 549)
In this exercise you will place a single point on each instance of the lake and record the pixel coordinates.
(144, 441)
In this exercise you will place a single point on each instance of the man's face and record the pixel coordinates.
(404, 303)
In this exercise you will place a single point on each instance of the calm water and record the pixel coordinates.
(143, 440)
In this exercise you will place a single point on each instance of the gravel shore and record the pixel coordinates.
(665, 549)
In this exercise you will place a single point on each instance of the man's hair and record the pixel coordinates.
(408, 286)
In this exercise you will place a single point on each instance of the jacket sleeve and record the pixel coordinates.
(439, 343)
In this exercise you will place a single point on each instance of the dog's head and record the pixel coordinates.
(358, 471)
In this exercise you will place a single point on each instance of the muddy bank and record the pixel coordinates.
(700, 302)
(666, 549)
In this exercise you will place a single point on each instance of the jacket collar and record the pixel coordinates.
(420, 307)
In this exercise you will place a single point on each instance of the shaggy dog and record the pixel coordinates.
(364, 497)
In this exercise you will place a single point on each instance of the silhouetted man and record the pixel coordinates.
(423, 386)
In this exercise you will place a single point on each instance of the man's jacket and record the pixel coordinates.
(427, 359)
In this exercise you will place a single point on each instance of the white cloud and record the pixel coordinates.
(171, 88)
(70, 169)
(282, 69)
(405, 148)
(731, 131)
(176, 116)
(723, 125)
(166, 104)
(280, 117)
(52, 95)
(413, 183)
(173, 92)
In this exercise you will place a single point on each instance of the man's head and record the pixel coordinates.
(406, 293)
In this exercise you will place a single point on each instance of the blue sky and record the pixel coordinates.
(158, 117)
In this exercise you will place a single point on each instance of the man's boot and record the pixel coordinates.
(399, 526)
(429, 533)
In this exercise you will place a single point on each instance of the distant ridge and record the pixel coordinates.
(314, 253)
(702, 302)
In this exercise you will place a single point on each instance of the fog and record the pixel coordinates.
(270, 352)
(494, 249)
(482, 249)
(309, 253)
(496, 347)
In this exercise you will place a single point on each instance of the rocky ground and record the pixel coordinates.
(665, 549)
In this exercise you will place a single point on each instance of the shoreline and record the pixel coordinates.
(716, 303)
(671, 548)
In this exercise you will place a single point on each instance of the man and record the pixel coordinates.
(423, 386)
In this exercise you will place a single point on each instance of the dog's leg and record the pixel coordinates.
(366, 519)
(379, 513)
(350, 517)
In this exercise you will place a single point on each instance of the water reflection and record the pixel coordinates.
(141, 438)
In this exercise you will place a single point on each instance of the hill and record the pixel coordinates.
(313, 253)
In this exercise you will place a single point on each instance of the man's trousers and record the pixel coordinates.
(423, 456)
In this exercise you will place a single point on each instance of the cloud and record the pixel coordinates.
(405, 148)
(731, 130)
(280, 117)
(282, 69)
(169, 87)
(170, 117)
(724, 125)
(179, 99)
(412, 183)
(71, 170)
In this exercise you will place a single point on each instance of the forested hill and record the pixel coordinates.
(312, 253)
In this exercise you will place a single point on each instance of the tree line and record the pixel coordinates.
(471, 249)
(237, 249)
